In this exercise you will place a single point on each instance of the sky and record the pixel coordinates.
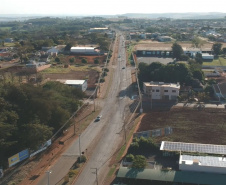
(107, 7)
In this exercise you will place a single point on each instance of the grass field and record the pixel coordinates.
(189, 125)
(5, 28)
(216, 62)
(61, 69)
(9, 44)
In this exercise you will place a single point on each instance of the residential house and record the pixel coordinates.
(53, 51)
(164, 38)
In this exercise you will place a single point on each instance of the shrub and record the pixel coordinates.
(106, 69)
(96, 61)
(72, 60)
(84, 61)
(82, 159)
(129, 158)
(71, 173)
(102, 80)
(57, 59)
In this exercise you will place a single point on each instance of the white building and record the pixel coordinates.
(207, 56)
(81, 84)
(203, 164)
(161, 90)
(86, 50)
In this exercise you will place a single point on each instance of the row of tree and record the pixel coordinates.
(29, 115)
(171, 73)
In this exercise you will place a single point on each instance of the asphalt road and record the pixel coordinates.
(101, 139)
(111, 134)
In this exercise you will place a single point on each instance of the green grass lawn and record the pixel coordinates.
(216, 62)
(5, 28)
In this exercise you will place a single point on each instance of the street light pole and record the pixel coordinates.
(96, 174)
(48, 172)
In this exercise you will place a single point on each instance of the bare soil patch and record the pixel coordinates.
(90, 58)
(189, 125)
(91, 76)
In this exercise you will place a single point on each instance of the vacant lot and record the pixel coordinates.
(189, 125)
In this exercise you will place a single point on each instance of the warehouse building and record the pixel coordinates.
(83, 50)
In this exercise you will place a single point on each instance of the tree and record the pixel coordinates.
(177, 51)
(224, 51)
(198, 74)
(217, 48)
(197, 42)
(139, 162)
(68, 47)
(198, 58)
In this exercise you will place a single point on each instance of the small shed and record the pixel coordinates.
(81, 84)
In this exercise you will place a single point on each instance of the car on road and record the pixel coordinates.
(98, 118)
(123, 67)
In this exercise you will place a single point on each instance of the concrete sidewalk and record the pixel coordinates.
(202, 105)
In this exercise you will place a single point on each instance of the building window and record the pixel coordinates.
(165, 90)
(157, 90)
(153, 90)
(173, 91)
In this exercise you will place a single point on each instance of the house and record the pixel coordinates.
(164, 38)
(220, 90)
(9, 40)
(53, 51)
(161, 90)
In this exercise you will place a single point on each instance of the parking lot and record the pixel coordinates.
(149, 60)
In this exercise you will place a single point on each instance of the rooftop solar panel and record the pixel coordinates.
(193, 147)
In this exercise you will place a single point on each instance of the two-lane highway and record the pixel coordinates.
(101, 139)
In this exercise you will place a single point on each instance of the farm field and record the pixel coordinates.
(189, 125)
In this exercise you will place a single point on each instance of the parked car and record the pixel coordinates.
(98, 118)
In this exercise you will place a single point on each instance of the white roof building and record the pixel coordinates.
(203, 163)
(81, 84)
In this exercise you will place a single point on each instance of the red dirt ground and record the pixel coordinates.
(189, 125)
(90, 59)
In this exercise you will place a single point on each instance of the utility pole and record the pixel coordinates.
(96, 174)
(124, 127)
(48, 172)
(79, 149)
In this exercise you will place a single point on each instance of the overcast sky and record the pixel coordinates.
(109, 7)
